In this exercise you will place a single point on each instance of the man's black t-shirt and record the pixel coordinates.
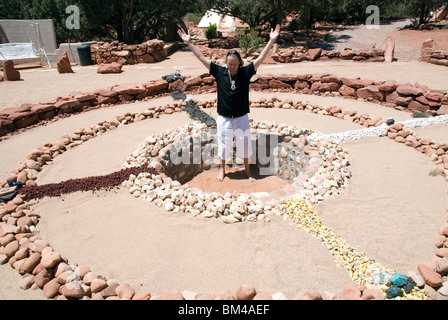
(232, 103)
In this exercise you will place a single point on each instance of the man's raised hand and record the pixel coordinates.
(184, 36)
(275, 33)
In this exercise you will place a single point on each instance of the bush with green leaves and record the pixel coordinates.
(212, 31)
(250, 39)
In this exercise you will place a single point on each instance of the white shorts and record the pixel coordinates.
(228, 128)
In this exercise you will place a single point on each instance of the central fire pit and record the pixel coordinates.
(310, 168)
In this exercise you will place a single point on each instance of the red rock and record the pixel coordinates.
(300, 85)
(125, 291)
(113, 67)
(145, 58)
(408, 90)
(444, 230)
(417, 106)
(443, 110)
(286, 77)
(311, 295)
(424, 100)
(347, 54)
(442, 266)
(245, 292)
(351, 292)
(142, 296)
(72, 290)
(172, 295)
(277, 84)
(105, 100)
(49, 260)
(193, 81)
(110, 291)
(156, 86)
(442, 252)
(373, 294)
(51, 288)
(390, 49)
(98, 285)
(129, 89)
(431, 277)
(399, 100)
(178, 84)
(24, 221)
(42, 278)
(31, 262)
(389, 85)
(434, 96)
(11, 248)
(314, 54)
(262, 296)
(9, 71)
(67, 106)
(63, 65)
(353, 83)
(26, 282)
(41, 108)
(323, 87)
(371, 92)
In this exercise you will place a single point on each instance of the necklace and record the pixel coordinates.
(232, 82)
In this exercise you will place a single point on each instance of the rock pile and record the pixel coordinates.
(315, 170)
(437, 152)
(148, 52)
(431, 55)
(105, 182)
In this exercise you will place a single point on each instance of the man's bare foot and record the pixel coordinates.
(250, 177)
(220, 176)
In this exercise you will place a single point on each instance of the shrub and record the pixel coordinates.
(212, 31)
(249, 40)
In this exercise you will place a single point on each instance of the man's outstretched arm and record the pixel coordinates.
(187, 39)
(273, 36)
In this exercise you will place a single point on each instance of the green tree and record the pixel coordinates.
(254, 12)
(129, 21)
(421, 9)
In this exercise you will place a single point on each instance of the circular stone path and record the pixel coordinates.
(383, 211)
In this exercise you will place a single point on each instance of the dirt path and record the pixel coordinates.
(408, 43)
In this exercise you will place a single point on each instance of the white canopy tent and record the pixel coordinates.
(225, 23)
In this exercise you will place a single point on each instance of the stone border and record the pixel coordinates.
(401, 96)
(428, 54)
(299, 54)
(324, 174)
(147, 52)
(46, 269)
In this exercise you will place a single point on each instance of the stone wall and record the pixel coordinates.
(299, 54)
(431, 55)
(401, 96)
(147, 52)
(291, 56)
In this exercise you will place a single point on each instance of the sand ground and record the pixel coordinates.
(391, 209)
